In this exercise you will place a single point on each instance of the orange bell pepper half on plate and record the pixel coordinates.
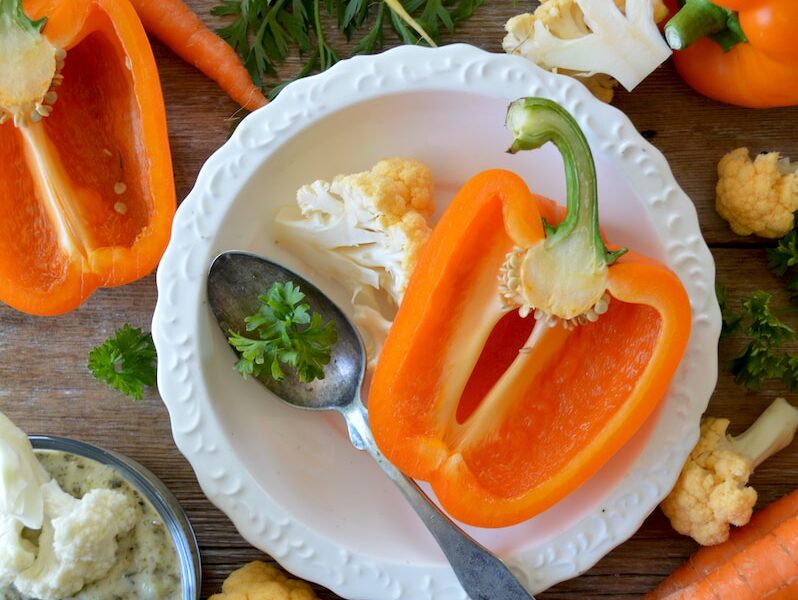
(524, 353)
(750, 57)
(86, 189)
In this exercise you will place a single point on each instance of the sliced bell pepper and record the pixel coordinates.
(524, 353)
(86, 190)
(750, 57)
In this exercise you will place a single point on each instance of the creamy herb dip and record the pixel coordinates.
(147, 567)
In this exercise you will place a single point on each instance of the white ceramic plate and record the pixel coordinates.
(289, 479)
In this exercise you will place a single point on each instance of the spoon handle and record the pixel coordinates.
(481, 573)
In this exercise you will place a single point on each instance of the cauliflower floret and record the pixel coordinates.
(77, 544)
(711, 491)
(259, 581)
(758, 196)
(595, 41)
(366, 230)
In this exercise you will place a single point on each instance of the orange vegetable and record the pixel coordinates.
(86, 190)
(752, 59)
(710, 558)
(767, 569)
(506, 411)
(177, 26)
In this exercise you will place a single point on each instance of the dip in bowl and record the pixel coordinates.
(159, 558)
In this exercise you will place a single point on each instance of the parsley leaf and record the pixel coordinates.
(762, 357)
(730, 319)
(125, 361)
(286, 334)
(783, 260)
(265, 32)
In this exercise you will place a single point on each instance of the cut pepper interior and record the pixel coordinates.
(87, 196)
(502, 408)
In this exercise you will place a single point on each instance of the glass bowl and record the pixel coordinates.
(164, 502)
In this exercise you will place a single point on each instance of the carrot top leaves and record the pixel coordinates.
(265, 32)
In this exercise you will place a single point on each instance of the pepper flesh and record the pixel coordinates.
(760, 72)
(86, 195)
(502, 433)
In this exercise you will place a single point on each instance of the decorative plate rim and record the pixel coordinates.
(459, 67)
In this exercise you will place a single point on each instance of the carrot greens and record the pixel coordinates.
(266, 32)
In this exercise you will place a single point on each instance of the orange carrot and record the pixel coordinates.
(711, 557)
(765, 570)
(177, 26)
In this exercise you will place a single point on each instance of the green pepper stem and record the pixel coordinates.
(699, 18)
(12, 15)
(536, 121)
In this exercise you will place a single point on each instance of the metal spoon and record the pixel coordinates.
(235, 281)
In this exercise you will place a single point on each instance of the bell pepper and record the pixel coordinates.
(750, 57)
(86, 190)
(525, 353)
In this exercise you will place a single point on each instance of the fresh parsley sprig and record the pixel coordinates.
(730, 320)
(763, 357)
(265, 32)
(286, 334)
(783, 260)
(126, 361)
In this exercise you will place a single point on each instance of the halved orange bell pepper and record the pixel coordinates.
(524, 354)
(750, 57)
(86, 190)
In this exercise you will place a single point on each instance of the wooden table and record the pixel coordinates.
(45, 387)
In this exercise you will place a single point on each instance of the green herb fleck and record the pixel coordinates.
(286, 334)
(125, 361)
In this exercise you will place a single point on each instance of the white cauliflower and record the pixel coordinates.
(596, 41)
(711, 493)
(365, 230)
(77, 544)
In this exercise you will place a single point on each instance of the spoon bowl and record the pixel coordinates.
(235, 281)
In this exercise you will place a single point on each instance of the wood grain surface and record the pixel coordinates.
(45, 387)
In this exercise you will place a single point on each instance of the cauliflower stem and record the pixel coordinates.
(597, 41)
(773, 431)
(712, 493)
(564, 275)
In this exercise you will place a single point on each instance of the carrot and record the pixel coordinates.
(177, 26)
(711, 557)
(765, 570)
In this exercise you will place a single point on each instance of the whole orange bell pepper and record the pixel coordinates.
(751, 56)
(525, 353)
(86, 190)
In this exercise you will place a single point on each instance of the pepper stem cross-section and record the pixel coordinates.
(525, 353)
